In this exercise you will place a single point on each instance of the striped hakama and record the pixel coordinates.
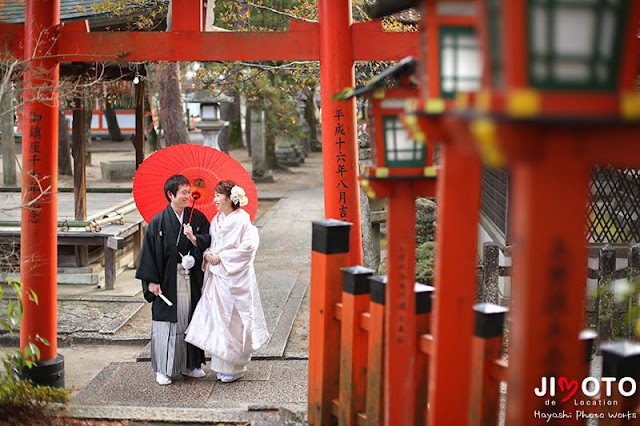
(168, 348)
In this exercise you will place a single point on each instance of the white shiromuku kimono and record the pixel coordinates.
(229, 320)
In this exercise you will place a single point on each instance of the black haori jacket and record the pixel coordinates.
(159, 259)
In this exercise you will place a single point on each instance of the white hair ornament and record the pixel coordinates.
(238, 196)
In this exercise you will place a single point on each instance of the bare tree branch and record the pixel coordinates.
(289, 15)
(43, 192)
(7, 77)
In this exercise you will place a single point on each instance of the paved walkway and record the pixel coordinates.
(104, 334)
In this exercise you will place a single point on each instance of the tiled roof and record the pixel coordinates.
(409, 16)
(13, 11)
(70, 10)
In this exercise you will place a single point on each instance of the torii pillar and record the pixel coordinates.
(339, 142)
(38, 242)
(335, 41)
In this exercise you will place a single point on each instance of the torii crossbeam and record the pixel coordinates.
(335, 41)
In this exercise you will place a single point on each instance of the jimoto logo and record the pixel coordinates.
(590, 387)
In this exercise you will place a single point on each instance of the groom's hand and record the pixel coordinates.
(155, 288)
(188, 231)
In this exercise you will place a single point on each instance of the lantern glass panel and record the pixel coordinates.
(400, 149)
(575, 43)
(208, 112)
(455, 8)
(460, 67)
(494, 13)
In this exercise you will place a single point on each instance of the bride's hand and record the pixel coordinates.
(213, 259)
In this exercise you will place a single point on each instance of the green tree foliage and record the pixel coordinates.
(21, 401)
(255, 79)
(252, 78)
(143, 15)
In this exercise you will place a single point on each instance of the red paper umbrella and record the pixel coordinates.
(202, 165)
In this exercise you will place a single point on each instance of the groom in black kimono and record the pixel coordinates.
(166, 270)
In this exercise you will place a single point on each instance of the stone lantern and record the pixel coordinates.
(210, 122)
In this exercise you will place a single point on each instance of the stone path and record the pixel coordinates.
(99, 330)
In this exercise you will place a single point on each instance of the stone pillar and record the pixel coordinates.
(491, 273)
(259, 171)
(370, 238)
(9, 173)
(606, 305)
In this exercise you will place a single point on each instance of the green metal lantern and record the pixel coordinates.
(395, 152)
(558, 44)
(394, 146)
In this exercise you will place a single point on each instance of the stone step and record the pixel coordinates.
(91, 274)
(62, 278)
(90, 269)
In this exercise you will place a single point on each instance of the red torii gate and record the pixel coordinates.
(44, 42)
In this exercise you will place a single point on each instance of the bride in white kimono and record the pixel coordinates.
(229, 321)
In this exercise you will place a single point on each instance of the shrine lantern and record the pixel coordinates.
(395, 153)
(561, 58)
(452, 68)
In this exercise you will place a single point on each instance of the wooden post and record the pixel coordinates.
(78, 137)
(79, 166)
(353, 344)
(186, 15)
(549, 271)
(137, 243)
(400, 317)
(588, 339)
(455, 283)
(138, 138)
(424, 294)
(621, 360)
(606, 307)
(375, 361)
(339, 141)
(330, 253)
(38, 239)
(487, 345)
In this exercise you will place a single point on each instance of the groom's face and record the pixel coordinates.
(182, 197)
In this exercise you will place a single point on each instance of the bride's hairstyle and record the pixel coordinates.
(224, 187)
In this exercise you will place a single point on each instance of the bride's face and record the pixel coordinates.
(223, 203)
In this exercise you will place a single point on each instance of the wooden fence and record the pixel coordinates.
(347, 341)
(609, 317)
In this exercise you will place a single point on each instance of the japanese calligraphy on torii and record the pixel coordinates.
(340, 165)
(34, 190)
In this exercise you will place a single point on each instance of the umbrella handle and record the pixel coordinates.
(195, 196)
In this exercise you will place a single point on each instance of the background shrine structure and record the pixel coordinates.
(45, 43)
